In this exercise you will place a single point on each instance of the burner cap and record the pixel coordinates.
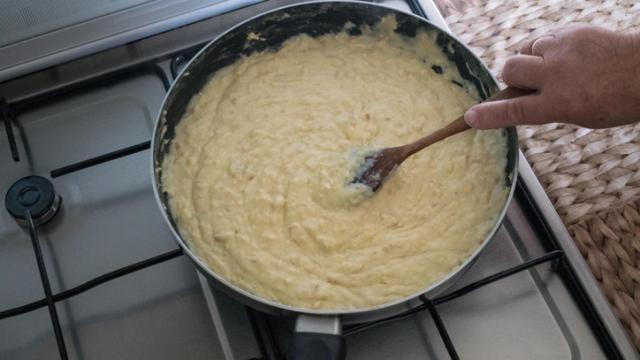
(34, 193)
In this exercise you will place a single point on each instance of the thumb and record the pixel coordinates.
(524, 110)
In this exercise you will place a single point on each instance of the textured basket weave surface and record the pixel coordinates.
(591, 176)
(610, 242)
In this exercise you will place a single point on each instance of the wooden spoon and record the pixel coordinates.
(381, 163)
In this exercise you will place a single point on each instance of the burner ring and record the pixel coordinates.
(36, 194)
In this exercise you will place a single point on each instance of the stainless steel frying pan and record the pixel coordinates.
(317, 331)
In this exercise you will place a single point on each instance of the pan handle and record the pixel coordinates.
(317, 338)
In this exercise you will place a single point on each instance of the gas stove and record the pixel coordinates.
(89, 270)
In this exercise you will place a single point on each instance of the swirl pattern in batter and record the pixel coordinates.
(259, 168)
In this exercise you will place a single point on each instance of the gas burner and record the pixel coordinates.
(36, 194)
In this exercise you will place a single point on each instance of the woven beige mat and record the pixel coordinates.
(610, 243)
(591, 176)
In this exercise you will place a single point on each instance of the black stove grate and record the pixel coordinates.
(8, 117)
(430, 304)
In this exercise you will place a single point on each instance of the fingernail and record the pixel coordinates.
(471, 117)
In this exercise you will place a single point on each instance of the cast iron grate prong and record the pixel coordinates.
(100, 159)
(6, 117)
(178, 62)
(442, 330)
(33, 232)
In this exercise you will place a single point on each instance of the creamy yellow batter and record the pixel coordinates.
(259, 169)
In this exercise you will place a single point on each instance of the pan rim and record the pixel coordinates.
(511, 136)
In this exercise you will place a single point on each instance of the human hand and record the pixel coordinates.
(583, 75)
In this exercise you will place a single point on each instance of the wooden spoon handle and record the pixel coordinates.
(459, 125)
(509, 93)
